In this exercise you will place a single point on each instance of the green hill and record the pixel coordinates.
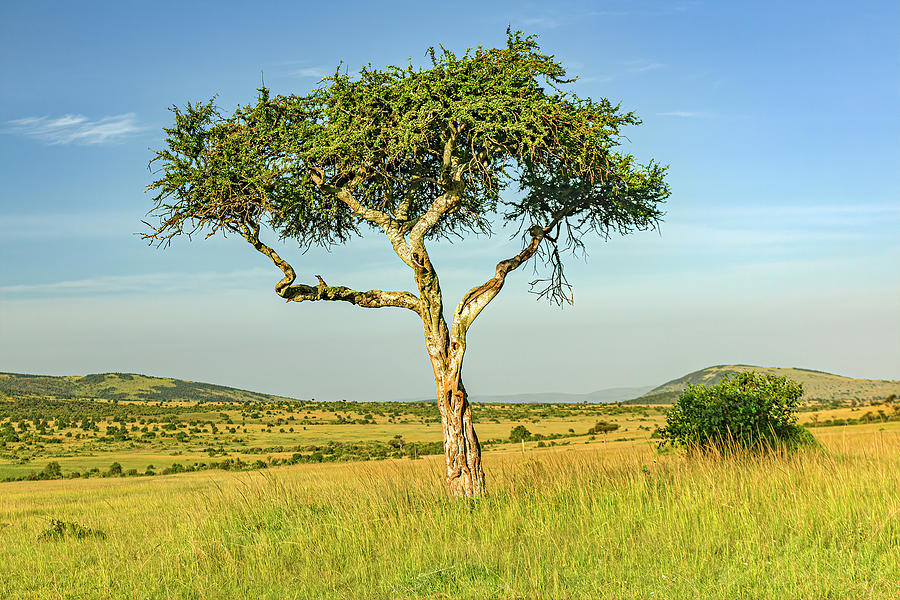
(817, 385)
(125, 387)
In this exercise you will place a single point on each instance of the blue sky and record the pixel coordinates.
(780, 247)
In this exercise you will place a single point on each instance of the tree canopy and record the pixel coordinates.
(423, 152)
(417, 154)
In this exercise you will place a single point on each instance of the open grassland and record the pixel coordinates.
(600, 520)
(86, 436)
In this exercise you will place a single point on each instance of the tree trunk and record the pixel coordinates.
(465, 477)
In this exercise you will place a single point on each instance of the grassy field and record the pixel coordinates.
(87, 436)
(606, 519)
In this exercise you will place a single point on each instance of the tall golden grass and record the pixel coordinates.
(619, 521)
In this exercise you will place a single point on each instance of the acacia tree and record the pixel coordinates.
(417, 154)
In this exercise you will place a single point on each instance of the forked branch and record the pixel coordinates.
(451, 181)
(391, 226)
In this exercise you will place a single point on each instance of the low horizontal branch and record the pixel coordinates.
(335, 293)
(340, 293)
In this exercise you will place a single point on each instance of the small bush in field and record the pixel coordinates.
(519, 433)
(747, 409)
(52, 471)
(603, 427)
(63, 529)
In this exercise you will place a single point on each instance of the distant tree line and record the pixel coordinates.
(308, 453)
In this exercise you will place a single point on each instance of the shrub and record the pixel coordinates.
(603, 427)
(175, 468)
(52, 471)
(64, 529)
(519, 433)
(748, 409)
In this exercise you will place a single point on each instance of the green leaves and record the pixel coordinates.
(385, 146)
(519, 433)
(747, 408)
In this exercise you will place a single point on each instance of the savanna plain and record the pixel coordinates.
(268, 498)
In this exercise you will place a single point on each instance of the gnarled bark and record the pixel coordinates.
(462, 452)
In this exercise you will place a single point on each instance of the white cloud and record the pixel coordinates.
(77, 129)
(547, 22)
(642, 66)
(147, 282)
(317, 72)
(845, 216)
(813, 209)
(378, 275)
(684, 6)
(718, 236)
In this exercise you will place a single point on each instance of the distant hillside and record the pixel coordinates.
(130, 386)
(817, 385)
(125, 386)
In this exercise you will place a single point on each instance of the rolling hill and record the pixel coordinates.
(817, 385)
(131, 386)
(124, 387)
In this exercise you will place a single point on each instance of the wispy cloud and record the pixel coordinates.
(77, 129)
(684, 6)
(642, 66)
(144, 283)
(377, 273)
(812, 209)
(719, 237)
(845, 215)
(317, 72)
(546, 22)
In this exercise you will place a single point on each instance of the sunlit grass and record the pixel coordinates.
(253, 440)
(602, 521)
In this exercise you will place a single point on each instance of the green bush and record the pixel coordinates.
(747, 409)
(603, 427)
(519, 433)
(52, 471)
(63, 529)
